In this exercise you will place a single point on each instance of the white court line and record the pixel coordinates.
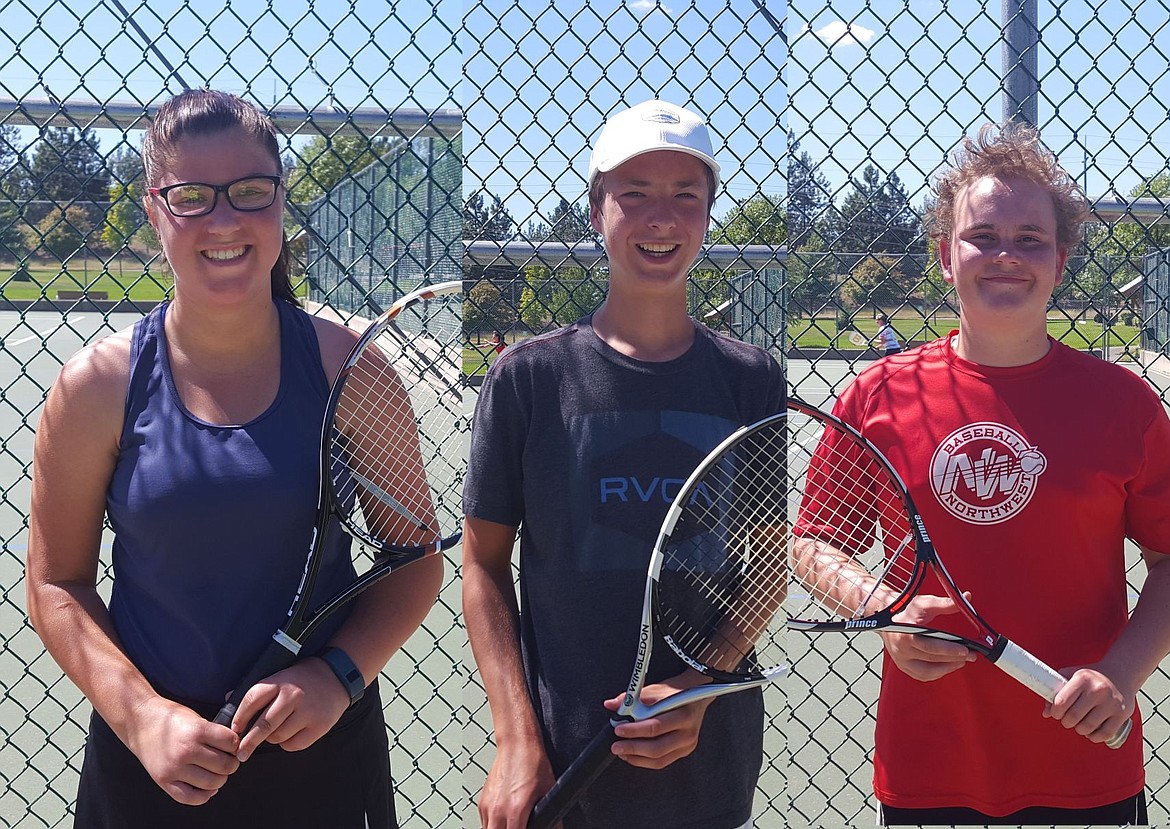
(40, 334)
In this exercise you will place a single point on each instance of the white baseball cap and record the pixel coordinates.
(650, 126)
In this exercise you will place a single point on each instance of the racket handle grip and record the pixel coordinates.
(276, 657)
(568, 789)
(1030, 671)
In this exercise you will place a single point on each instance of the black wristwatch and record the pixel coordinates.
(347, 672)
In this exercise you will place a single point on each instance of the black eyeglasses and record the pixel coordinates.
(193, 198)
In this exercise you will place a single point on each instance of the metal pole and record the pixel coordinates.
(1020, 75)
(150, 44)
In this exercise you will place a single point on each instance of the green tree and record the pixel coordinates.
(13, 171)
(875, 280)
(495, 223)
(481, 221)
(534, 309)
(812, 278)
(326, 160)
(757, 221)
(13, 186)
(1111, 254)
(486, 310)
(569, 224)
(124, 218)
(551, 299)
(875, 217)
(574, 294)
(68, 167)
(125, 167)
(63, 232)
(808, 197)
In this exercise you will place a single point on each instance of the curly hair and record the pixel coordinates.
(1014, 151)
(197, 112)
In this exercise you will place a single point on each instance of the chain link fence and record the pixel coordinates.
(829, 121)
(879, 95)
(364, 93)
(539, 81)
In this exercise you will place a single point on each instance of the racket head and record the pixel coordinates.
(719, 569)
(859, 552)
(857, 338)
(392, 440)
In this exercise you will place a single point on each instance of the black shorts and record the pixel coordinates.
(1128, 812)
(342, 780)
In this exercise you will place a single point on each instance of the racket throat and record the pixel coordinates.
(287, 642)
(996, 650)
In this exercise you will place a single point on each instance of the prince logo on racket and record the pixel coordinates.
(582, 440)
(1032, 465)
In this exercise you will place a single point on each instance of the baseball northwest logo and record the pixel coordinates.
(985, 473)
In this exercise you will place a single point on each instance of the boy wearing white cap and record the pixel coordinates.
(581, 436)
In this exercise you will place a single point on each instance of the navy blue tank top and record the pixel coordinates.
(212, 523)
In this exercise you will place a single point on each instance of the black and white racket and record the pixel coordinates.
(391, 461)
(861, 553)
(714, 592)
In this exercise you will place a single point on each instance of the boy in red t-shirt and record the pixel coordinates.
(1038, 544)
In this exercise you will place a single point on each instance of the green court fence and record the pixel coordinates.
(387, 228)
(365, 96)
(402, 119)
(879, 94)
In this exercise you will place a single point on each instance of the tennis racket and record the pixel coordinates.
(391, 444)
(857, 338)
(714, 591)
(861, 551)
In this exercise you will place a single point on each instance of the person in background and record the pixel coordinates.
(887, 336)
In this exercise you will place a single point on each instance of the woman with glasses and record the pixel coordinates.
(195, 433)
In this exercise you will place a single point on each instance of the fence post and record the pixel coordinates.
(1019, 75)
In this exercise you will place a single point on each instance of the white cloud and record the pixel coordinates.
(839, 34)
(644, 7)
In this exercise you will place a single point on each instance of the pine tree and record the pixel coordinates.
(68, 167)
(808, 197)
(483, 222)
(875, 217)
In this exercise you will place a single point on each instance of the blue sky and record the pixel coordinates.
(541, 78)
(295, 53)
(898, 85)
(895, 84)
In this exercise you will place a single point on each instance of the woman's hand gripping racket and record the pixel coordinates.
(714, 591)
(391, 449)
(861, 554)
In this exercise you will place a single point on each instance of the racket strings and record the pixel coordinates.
(398, 432)
(724, 572)
(852, 546)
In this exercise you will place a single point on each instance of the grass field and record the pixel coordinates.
(118, 279)
(805, 334)
(1080, 334)
(149, 283)
(129, 279)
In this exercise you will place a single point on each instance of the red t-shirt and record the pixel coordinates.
(1028, 479)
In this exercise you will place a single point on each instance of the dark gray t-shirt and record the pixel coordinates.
(583, 448)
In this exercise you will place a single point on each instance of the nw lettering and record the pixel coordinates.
(984, 476)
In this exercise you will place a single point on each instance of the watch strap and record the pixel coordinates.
(347, 672)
